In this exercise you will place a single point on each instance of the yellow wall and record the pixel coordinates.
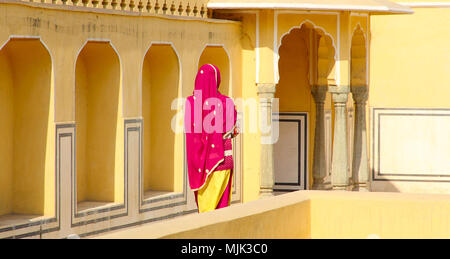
(160, 86)
(97, 88)
(97, 116)
(111, 79)
(251, 139)
(416, 46)
(251, 146)
(27, 154)
(217, 56)
(65, 31)
(409, 70)
(386, 215)
(266, 46)
(6, 133)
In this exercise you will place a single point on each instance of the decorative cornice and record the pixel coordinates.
(393, 8)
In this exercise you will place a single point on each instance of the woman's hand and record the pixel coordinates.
(235, 132)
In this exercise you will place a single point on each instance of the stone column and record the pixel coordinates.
(266, 93)
(339, 166)
(360, 166)
(319, 161)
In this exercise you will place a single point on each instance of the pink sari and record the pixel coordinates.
(210, 120)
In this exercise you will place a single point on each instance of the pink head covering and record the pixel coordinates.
(206, 126)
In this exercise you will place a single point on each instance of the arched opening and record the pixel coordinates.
(326, 76)
(306, 62)
(26, 131)
(358, 78)
(97, 93)
(357, 127)
(358, 58)
(217, 56)
(160, 87)
(294, 67)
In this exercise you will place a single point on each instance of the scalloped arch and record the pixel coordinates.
(315, 27)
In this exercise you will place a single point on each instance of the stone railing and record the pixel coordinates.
(311, 214)
(193, 8)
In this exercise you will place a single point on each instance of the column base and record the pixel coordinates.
(320, 185)
(361, 187)
(340, 188)
(266, 193)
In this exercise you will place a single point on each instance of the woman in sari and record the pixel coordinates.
(208, 141)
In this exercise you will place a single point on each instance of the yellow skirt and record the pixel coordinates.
(209, 196)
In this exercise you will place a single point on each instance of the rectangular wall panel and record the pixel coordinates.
(290, 152)
(411, 144)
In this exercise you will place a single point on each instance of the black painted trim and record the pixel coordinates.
(305, 153)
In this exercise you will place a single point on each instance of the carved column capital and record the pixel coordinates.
(360, 94)
(266, 90)
(319, 92)
(339, 93)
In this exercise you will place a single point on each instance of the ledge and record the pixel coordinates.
(370, 6)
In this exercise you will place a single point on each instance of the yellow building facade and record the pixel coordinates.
(92, 101)
(409, 100)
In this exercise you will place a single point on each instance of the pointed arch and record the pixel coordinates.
(98, 79)
(161, 85)
(218, 56)
(330, 47)
(358, 57)
(27, 119)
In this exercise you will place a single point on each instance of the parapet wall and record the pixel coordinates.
(192, 8)
(313, 214)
